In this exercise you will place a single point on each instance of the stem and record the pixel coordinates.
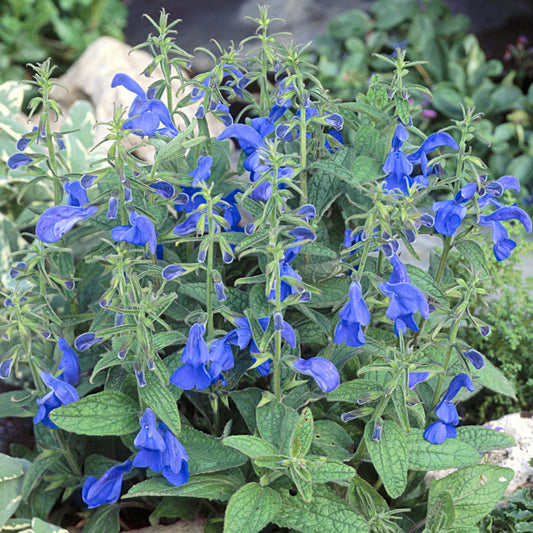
(303, 154)
(209, 272)
(276, 379)
(67, 452)
(453, 336)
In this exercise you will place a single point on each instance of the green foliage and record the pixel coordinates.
(32, 30)
(452, 64)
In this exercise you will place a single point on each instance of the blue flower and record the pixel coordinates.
(140, 232)
(399, 167)
(146, 114)
(175, 459)
(503, 246)
(406, 299)
(172, 271)
(86, 340)
(417, 377)
(17, 269)
(353, 315)
(444, 428)
(450, 213)
(150, 444)
(69, 364)
(242, 336)
(61, 394)
(5, 368)
(107, 489)
(59, 219)
(195, 357)
(18, 160)
(475, 358)
(164, 189)
(323, 372)
(221, 356)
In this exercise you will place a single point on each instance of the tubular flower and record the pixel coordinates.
(406, 299)
(61, 394)
(150, 444)
(195, 357)
(107, 489)
(140, 232)
(69, 364)
(450, 213)
(59, 219)
(175, 460)
(353, 315)
(444, 428)
(146, 113)
(321, 370)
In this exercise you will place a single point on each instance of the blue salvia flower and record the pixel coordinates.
(417, 377)
(195, 357)
(172, 271)
(17, 269)
(324, 372)
(5, 368)
(140, 232)
(242, 337)
(112, 209)
(175, 459)
(69, 364)
(86, 340)
(450, 213)
(61, 394)
(221, 356)
(18, 160)
(150, 443)
(107, 489)
(353, 315)
(406, 299)
(398, 166)
(503, 246)
(444, 428)
(475, 358)
(164, 189)
(146, 114)
(59, 219)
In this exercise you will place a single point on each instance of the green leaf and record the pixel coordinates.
(104, 413)
(484, 439)
(494, 379)
(276, 424)
(474, 253)
(331, 439)
(250, 445)
(161, 401)
(210, 486)
(426, 284)
(351, 390)
(402, 107)
(104, 519)
(302, 479)
(323, 187)
(475, 491)
(331, 293)
(208, 454)
(40, 526)
(39, 466)
(246, 401)
(452, 453)
(324, 470)
(442, 513)
(251, 508)
(326, 512)
(334, 169)
(365, 169)
(389, 456)
(303, 434)
(11, 478)
(360, 493)
(366, 139)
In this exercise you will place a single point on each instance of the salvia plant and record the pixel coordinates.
(243, 328)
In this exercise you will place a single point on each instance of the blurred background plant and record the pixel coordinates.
(458, 74)
(32, 30)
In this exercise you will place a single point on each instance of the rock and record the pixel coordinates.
(521, 429)
(89, 78)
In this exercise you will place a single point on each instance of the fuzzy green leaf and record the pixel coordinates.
(475, 490)
(251, 508)
(104, 413)
(452, 453)
(389, 456)
(484, 439)
(250, 445)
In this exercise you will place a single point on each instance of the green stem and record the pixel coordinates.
(303, 154)
(453, 336)
(67, 452)
(209, 272)
(276, 379)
